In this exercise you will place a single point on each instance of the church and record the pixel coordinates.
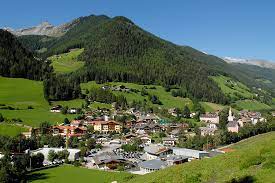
(232, 125)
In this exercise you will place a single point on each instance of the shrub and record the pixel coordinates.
(30, 107)
(77, 163)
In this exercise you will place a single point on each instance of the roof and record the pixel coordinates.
(232, 124)
(130, 135)
(175, 131)
(69, 127)
(154, 164)
(58, 107)
(104, 122)
(155, 149)
(189, 152)
(76, 122)
(177, 158)
(45, 151)
(209, 115)
(207, 129)
(107, 157)
(168, 139)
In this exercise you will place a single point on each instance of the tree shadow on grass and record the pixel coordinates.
(245, 179)
(36, 176)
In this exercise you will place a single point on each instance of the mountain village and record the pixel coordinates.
(131, 145)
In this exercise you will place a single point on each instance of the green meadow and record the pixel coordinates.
(252, 105)
(165, 97)
(71, 174)
(67, 62)
(212, 107)
(22, 93)
(232, 88)
(11, 129)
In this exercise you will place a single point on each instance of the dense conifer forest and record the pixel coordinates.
(16, 61)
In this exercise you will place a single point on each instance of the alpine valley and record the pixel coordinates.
(102, 93)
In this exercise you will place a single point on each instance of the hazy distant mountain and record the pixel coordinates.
(257, 62)
(45, 29)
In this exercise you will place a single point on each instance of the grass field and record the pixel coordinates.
(77, 103)
(67, 62)
(211, 107)
(11, 130)
(265, 81)
(70, 174)
(252, 105)
(252, 160)
(232, 88)
(21, 93)
(96, 105)
(166, 98)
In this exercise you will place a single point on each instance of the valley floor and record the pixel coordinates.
(251, 160)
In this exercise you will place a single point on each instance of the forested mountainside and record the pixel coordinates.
(118, 50)
(16, 61)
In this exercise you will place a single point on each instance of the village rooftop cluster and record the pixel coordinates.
(131, 146)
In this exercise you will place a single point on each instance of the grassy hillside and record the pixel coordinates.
(11, 130)
(21, 93)
(211, 107)
(67, 62)
(166, 98)
(252, 160)
(70, 174)
(233, 89)
(252, 105)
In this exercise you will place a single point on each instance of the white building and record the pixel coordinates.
(152, 165)
(230, 117)
(210, 118)
(210, 129)
(73, 153)
(190, 152)
(154, 151)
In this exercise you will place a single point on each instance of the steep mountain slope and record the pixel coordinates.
(46, 29)
(16, 61)
(118, 50)
(121, 51)
(76, 37)
(257, 62)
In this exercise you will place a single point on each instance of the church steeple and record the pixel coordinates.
(230, 116)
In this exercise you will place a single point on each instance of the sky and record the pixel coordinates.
(235, 28)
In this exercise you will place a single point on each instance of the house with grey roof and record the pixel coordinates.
(210, 129)
(169, 141)
(154, 151)
(152, 165)
(233, 126)
(210, 118)
(107, 160)
(176, 159)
